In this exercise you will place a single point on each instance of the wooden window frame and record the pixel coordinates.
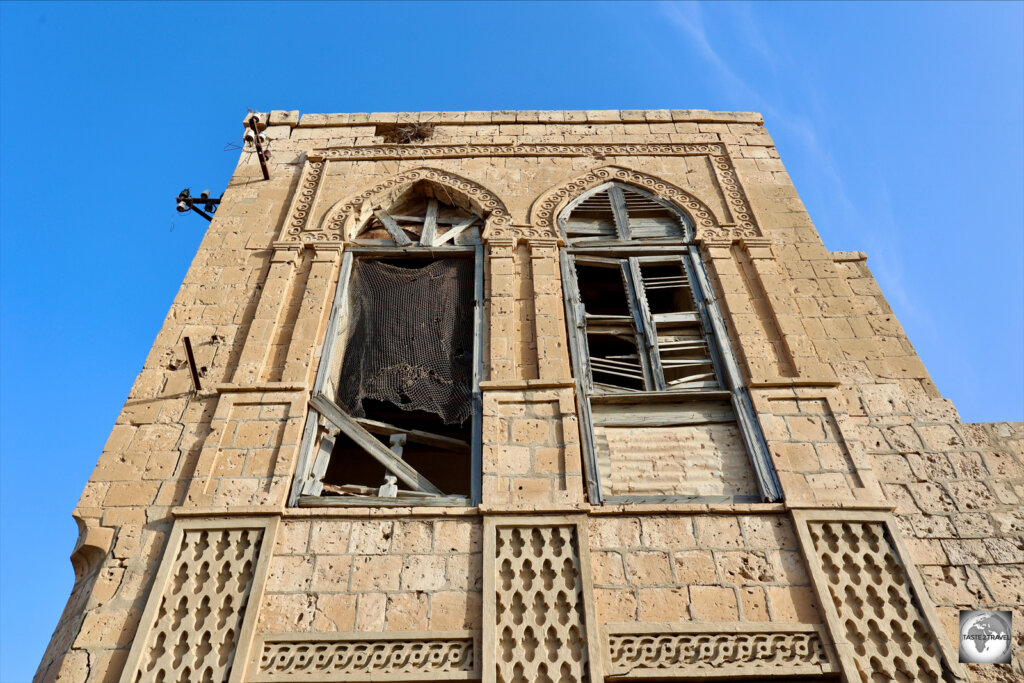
(315, 453)
(630, 251)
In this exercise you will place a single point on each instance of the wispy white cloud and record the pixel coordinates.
(794, 107)
(688, 17)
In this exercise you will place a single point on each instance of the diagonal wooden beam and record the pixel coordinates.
(371, 445)
(393, 228)
(455, 231)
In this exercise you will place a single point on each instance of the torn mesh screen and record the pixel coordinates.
(411, 338)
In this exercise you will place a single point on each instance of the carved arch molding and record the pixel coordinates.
(340, 219)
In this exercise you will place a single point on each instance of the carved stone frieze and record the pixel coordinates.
(375, 152)
(363, 657)
(302, 204)
(738, 224)
(641, 651)
(520, 232)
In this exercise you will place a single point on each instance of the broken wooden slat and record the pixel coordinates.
(395, 230)
(620, 212)
(305, 457)
(664, 396)
(454, 232)
(477, 427)
(429, 233)
(414, 435)
(368, 443)
(576, 317)
(314, 484)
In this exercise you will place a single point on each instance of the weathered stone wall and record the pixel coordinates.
(377, 575)
(703, 567)
(864, 445)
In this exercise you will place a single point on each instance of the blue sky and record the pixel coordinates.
(900, 123)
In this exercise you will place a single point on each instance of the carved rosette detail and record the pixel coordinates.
(489, 203)
(722, 651)
(362, 659)
(516, 232)
(304, 203)
(872, 595)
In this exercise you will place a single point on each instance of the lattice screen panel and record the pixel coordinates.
(879, 615)
(196, 616)
(540, 621)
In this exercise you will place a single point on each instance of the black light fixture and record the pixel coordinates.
(186, 202)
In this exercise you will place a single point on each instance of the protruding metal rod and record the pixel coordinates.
(192, 365)
(260, 154)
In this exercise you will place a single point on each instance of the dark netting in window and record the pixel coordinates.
(411, 338)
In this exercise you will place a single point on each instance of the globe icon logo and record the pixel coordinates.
(985, 637)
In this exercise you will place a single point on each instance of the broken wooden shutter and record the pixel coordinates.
(336, 413)
(614, 212)
(650, 349)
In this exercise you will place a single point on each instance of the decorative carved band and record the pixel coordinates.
(303, 202)
(738, 224)
(520, 232)
(300, 657)
(659, 654)
(376, 152)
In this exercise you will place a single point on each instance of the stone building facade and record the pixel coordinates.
(534, 396)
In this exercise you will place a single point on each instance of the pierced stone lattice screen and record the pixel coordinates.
(541, 634)
(192, 627)
(879, 614)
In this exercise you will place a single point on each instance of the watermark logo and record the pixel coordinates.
(985, 636)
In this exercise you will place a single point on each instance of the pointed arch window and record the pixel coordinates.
(661, 396)
(395, 412)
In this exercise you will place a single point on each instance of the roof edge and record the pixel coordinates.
(455, 118)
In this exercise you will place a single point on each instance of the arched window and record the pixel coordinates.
(395, 407)
(661, 395)
(618, 212)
